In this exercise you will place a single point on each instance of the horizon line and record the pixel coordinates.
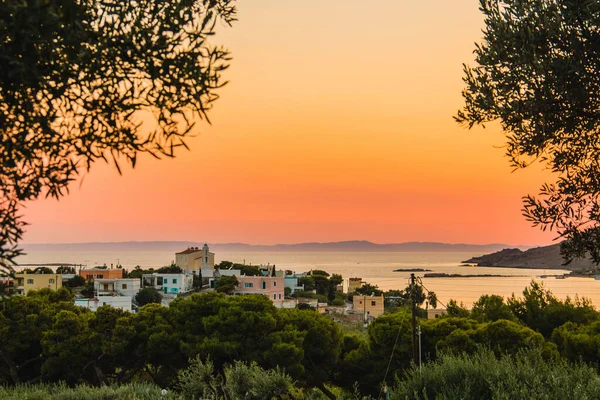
(286, 244)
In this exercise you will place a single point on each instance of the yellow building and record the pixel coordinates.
(26, 282)
(195, 259)
(369, 306)
(353, 284)
(434, 313)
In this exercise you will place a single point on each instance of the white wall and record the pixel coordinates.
(122, 302)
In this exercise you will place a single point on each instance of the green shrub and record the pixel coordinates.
(526, 375)
(138, 391)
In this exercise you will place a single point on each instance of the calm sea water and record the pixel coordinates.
(376, 268)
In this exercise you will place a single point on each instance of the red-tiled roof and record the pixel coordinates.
(190, 250)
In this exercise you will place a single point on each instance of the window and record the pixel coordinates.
(30, 281)
(124, 286)
(280, 296)
(174, 281)
(274, 297)
(373, 303)
(100, 276)
(264, 285)
(360, 302)
(106, 286)
(248, 285)
(274, 283)
(51, 280)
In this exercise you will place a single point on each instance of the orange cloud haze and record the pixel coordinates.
(337, 124)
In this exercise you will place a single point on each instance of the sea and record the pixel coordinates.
(377, 268)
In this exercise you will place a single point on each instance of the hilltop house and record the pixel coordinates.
(26, 282)
(369, 306)
(122, 302)
(196, 259)
(434, 313)
(169, 283)
(354, 284)
(291, 281)
(114, 292)
(268, 285)
(116, 287)
(94, 273)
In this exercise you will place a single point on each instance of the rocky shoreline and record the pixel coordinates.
(412, 270)
(445, 275)
(547, 257)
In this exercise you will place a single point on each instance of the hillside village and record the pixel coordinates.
(194, 270)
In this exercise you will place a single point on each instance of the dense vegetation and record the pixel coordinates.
(483, 375)
(74, 78)
(248, 270)
(536, 74)
(45, 338)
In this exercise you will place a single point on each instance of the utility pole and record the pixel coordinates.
(413, 288)
(420, 352)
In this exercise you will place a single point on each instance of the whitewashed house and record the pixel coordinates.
(116, 287)
(122, 302)
(169, 283)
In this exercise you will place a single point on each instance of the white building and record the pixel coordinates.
(122, 302)
(215, 274)
(291, 281)
(169, 283)
(116, 287)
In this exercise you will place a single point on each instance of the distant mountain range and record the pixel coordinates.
(354, 245)
(546, 257)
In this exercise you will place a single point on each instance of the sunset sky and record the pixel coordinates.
(336, 125)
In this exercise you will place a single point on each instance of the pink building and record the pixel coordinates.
(270, 286)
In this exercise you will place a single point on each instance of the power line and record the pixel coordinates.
(387, 370)
(429, 291)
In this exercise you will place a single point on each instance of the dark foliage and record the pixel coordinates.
(537, 74)
(75, 76)
(76, 281)
(148, 295)
(226, 284)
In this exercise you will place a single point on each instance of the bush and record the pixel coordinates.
(226, 284)
(148, 295)
(338, 302)
(137, 391)
(76, 281)
(88, 290)
(239, 381)
(171, 269)
(484, 376)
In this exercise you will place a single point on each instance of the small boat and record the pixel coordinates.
(544, 276)
(561, 277)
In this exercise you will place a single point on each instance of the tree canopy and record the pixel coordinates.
(226, 284)
(148, 295)
(77, 75)
(537, 73)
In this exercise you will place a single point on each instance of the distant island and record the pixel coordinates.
(546, 257)
(349, 246)
(411, 270)
(445, 275)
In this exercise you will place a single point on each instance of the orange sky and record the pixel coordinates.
(336, 125)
